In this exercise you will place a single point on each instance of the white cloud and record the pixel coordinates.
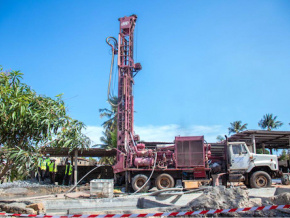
(167, 133)
(94, 133)
(164, 133)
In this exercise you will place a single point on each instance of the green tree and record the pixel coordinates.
(260, 151)
(29, 122)
(220, 138)
(269, 122)
(284, 155)
(237, 127)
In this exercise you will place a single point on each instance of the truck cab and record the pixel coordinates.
(255, 170)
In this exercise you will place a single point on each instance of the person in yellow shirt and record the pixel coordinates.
(52, 170)
(47, 160)
(68, 173)
(39, 175)
(43, 169)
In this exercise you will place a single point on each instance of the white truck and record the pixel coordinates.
(238, 164)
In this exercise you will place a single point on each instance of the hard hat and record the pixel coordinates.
(68, 162)
(47, 155)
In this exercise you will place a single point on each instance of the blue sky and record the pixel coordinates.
(205, 63)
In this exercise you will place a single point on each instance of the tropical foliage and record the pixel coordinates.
(220, 138)
(284, 155)
(260, 151)
(109, 138)
(237, 127)
(29, 122)
(269, 122)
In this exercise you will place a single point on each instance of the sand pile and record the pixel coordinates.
(220, 198)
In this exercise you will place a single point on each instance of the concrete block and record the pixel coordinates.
(262, 192)
(147, 203)
(281, 190)
(88, 205)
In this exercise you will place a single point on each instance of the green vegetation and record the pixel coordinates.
(220, 138)
(260, 151)
(284, 155)
(109, 138)
(269, 122)
(29, 122)
(237, 127)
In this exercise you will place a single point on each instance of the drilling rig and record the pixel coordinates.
(188, 158)
(136, 164)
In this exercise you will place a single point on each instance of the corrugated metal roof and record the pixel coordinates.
(271, 139)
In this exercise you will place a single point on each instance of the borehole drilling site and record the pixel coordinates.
(187, 176)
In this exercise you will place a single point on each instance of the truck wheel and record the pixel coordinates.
(285, 180)
(138, 181)
(260, 179)
(164, 181)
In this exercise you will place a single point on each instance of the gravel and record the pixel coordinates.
(20, 184)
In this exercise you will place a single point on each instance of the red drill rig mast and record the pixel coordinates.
(126, 69)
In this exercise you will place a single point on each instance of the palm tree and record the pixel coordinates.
(111, 114)
(237, 127)
(109, 138)
(269, 122)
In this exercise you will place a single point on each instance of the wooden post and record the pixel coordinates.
(71, 162)
(263, 147)
(254, 143)
(76, 167)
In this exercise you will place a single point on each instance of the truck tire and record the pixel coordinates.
(285, 180)
(164, 181)
(260, 179)
(138, 181)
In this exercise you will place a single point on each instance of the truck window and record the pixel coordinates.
(244, 150)
(237, 149)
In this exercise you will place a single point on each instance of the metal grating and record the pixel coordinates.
(190, 151)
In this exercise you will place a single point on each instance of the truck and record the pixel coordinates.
(188, 158)
(237, 164)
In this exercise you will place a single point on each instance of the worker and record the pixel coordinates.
(52, 170)
(47, 160)
(67, 173)
(39, 162)
(43, 169)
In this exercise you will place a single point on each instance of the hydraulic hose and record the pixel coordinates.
(82, 179)
(149, 176)
(114, 47)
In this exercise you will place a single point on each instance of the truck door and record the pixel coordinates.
(240, 157)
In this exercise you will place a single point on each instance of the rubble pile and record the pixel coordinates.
(17, 207)
(220, 198)
(281, 199)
